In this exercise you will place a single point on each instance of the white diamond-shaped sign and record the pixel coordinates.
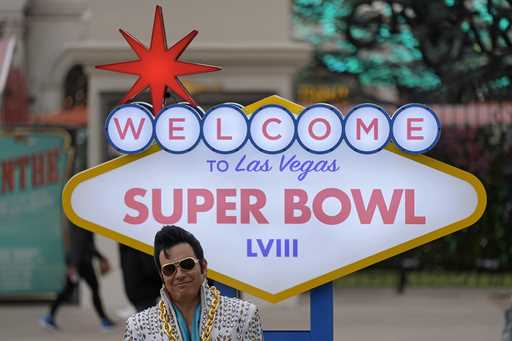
(260, 249)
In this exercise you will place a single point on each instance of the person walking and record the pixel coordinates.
(142, 283)
(80, 265)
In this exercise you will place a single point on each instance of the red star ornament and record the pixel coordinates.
(158, 67)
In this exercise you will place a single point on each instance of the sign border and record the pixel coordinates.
(312, 283)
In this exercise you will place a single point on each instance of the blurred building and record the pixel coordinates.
(59, 42)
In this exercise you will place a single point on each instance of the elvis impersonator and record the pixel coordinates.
(190, 310)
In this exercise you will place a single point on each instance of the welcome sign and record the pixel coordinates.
(276, 220)
(283, 198)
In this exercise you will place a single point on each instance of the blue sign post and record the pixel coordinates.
(321, 316)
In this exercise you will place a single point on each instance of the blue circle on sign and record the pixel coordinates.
(402, 111)
(140, 108)
(352, 112)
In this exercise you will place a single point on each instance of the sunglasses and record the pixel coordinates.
(186, 264)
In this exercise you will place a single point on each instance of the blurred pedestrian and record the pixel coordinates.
(80, 265)
(142, 282)
(507, 331)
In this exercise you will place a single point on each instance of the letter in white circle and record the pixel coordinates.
(130, 128)
(416, 128)
(177, 128)
(225, 128)
(319, 128)
(272, 129)
(367, 128)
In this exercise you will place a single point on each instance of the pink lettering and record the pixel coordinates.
(255, 208)
(223, 205)
(410, 217)
(318, 206)
(194, 207)
(129, 201)
(327, 129)
(296, 199)
(219, 134)
(129, 125)
(177, 200)
(172, 128)
(264, 129)
(376, 201)
(374, 124)
(411, 128)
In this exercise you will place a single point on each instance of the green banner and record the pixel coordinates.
(34, 166)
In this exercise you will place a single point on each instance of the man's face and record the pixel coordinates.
(182, 285)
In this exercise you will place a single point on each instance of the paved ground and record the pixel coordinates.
(360, 314)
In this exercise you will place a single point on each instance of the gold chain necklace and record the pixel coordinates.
(207, 330)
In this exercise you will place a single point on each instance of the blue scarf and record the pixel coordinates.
(189, 335)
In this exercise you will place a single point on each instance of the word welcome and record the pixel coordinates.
(319, 128)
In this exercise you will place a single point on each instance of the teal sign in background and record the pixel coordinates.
(34, 167)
